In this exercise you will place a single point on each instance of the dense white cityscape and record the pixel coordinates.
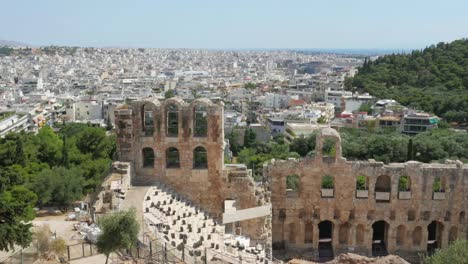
(289, 92)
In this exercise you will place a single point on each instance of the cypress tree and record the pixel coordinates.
(409, 154)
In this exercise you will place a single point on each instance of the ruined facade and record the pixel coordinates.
(325, 205)
(181, 144)
(321, 206)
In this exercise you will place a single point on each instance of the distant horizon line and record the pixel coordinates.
(325, 50)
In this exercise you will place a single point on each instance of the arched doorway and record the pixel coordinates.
(434, 236)
(379, 238)
(325, 240)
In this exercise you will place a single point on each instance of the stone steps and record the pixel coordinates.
(181, 223)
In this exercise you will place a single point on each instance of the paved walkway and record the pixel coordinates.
(134, 198)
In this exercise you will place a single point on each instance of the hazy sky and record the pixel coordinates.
(394, 24)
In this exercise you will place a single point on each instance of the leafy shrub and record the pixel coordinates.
(292, 182)
(361, 182)
(327, 182)
(437, 186)
(456, 252)
(403, 184)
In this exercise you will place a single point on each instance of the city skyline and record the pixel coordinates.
(297, 24)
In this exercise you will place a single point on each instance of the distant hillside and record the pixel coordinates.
(11, 43)
(434, 79)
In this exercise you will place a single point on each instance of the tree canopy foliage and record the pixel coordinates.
(119, 231)
(391, 146)
(434, 79)
(456, 252)
(48, 169)
(259, 153)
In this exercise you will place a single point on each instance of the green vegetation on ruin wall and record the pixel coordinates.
(434, 79)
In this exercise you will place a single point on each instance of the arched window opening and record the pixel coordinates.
(200, 121)
(200, 158)
(379, 238)
(383, 184)
(329, 147)
(404, 184)
(172, 121)
(404, 188)
(343, 237)
(327, 186)
(148, 157)
(362, 187)
(383, 188)
(417, 236)
(172, 158)
(401, 235)
(148, 120)
(439, 185)
(309, 233)
(292, 182)
(438, 188)
(360, 234)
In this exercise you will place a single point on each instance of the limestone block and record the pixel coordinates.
(404, 195)
(382, 196)
(327, 193)
(362, 193)
(438, 196)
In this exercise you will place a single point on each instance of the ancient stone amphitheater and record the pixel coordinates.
(334, 206)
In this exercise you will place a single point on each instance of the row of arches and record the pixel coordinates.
(200, 120)
(383, 185)
(200, 158)
(380, 235)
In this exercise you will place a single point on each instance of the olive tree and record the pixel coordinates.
(119, 231)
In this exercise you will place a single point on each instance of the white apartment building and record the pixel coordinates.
(84, 110)
(347, 101)
(273, 100)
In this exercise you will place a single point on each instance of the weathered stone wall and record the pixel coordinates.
(353, 217)
(207, 187)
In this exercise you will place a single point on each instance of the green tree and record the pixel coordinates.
(233, 138)
(49, 146)
(169, 94)
(19, 155)
(249, 138)
(58, 186)
(456, 252)
(93, 140)
(65, 159)
(300, 145)
(410, 152)
(17, 210)
(119, 231)
(321, 120)
(250, 85)
(434, 79)
(367, 107)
